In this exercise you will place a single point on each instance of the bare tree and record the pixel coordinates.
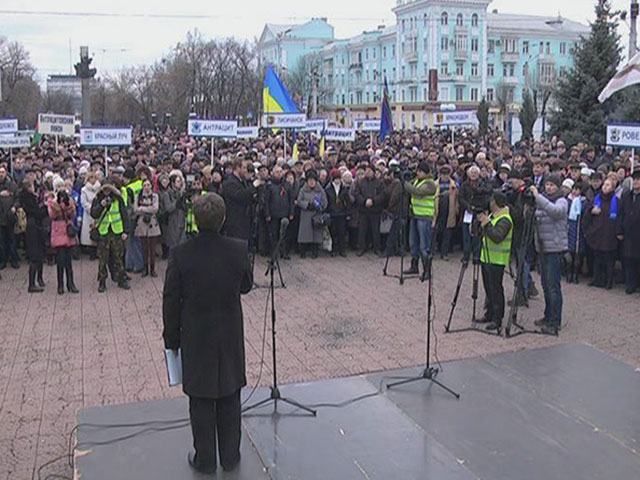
(20, 93)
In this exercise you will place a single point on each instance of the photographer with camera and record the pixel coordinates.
(497, 230)
(474, 198)
(145, 207)
(551, 244)
(423, 191)
(110, 211)
(64, 234)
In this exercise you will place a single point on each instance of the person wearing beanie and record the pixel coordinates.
(497, 229)
(424, 209)
(551, 243)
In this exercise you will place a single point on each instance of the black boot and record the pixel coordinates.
(40, 279)
(102, 286)
(145, 272)
(33, 288)
(413, 270)
(60, 272)
(71, 286)
(426, 269)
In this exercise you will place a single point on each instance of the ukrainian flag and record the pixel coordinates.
(275, 96)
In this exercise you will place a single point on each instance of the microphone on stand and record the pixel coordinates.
(284, 225)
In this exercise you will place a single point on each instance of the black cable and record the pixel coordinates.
(264, 342)
(46, 464)
(351, 401)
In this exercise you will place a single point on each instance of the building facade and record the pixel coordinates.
(440, 52)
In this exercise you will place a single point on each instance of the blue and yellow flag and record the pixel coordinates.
(386, 118)
(275, 96)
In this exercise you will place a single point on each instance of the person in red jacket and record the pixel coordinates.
(62, 211)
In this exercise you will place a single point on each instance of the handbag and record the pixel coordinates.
(94, 234)
(72, 230)
(321, 220)
(385, 223)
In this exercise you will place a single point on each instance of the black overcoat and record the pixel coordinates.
(239, 197)
(202, 312)
(629, 224)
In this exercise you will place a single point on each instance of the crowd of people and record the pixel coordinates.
(414, 192)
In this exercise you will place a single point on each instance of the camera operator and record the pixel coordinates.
(239, 195)
(110, 211)
(551, 244)
(497, 229)
(474, 198)
(423, 191)
(396, 207)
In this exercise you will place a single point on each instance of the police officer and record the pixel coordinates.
(422, 190)
(109, 210)
(495, 255)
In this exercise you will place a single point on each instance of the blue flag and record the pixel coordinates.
(386, 119)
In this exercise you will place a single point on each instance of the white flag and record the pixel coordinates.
(626, 76)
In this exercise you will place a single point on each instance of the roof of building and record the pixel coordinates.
(281, 28)
(550, 25)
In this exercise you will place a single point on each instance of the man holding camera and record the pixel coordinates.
(495, 255)
(110, 211)
(423, 211)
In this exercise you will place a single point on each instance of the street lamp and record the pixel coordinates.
(279, 38)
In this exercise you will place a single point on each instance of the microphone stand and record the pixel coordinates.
(429, 373)
(275, 395)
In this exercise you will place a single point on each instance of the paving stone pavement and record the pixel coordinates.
(336, 317)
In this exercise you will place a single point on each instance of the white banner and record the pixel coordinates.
(368, 125)
(623, 135)
(285, 120)
(105, 136)
(456, 118)
(316, 125)
(14, 141)
(248, 132)
(212, 128)
(53, 124)
(8, 125)
(340, 134)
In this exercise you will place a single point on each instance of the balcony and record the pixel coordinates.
(511, 81)
(510, 57)
(355, 66)
(546, 58)
(461, 54)
(411, 56)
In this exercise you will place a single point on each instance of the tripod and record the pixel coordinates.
(429, 373)
(474, 297)
(275, 395)
(402, 220)
(527, 237)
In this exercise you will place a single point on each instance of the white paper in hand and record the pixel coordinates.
(174, 366)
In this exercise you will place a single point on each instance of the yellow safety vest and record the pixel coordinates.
(134, 188)
(112, 220)
(422, 206)
(190, 224)
(497, 253)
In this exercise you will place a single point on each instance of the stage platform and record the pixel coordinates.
(565, 412)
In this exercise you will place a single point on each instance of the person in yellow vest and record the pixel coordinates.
(190, 224)
(423, 191)
(134, 258)
(110, 212)
(495, 255)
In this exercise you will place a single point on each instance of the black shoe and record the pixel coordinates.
(482, 320)
(540, 323)
(15, 265)
(286, 257)
(549, 330)
(72, 288)
(153, 274)
(60, 290)
(630, 291)
(41, 282)
(303, 254)
(35, 289)
(124, 285)
(533, 291)
(191, 458)
(413, 269)
(343, 254)
(145, 273)
(102, 287)
(493, 326)
(232, 465)
(361, 253)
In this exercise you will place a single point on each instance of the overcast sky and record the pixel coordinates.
(124, 41)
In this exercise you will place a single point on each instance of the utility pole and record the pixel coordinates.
(633, 30)
(314, 91)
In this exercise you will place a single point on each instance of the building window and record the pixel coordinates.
(413, 70)
(425, 20)
(384, 53)
(474, 94)
(444, 19)
(474, 44)
(402, 73)
(459, 69)
(367, 96)
(393, 51)
(525, 70)
(490, 95)
(461, 43)
(402, 95)
(351, 98)
(444, 44)
(563, 48)
(459, 94)
(491, 48)
(443, 94)
(459, 20)
(548, 48)
(474, 20)
(510, 45)
(525, 47)
(541, 48)
(444, 69)
(508, 70)
(403, 24)
(474, 69)
(490, 70)
(394, 73)
(425, 43)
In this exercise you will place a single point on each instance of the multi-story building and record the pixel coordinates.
(442, 51)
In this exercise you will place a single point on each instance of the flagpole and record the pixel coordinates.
(11, 161)
(106, 163)
(284, 136)
(633, 159)
(213, 141)
(57, 147)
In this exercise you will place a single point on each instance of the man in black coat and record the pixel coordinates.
(277, 206)
(338, 203)
(628, 231)
(202, 315)
(370, 199)
(239, 196)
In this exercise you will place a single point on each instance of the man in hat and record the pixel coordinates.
(447, 210)
(551, 243)
(370, 198)
(497, 228)
(423, 211)
(628, 231)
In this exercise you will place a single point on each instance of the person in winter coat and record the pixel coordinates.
(551, 244)
(146, 205)
(312, 201)
(239, 195)
(446, 211)
(600, 222)
(338, 202)
(87, 194)
(170, 202)
(34, 236)
(62, 210)
(628, 231)
(577, 205)
(278, 205)
(369, 197)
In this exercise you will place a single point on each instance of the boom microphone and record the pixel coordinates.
(284, 225)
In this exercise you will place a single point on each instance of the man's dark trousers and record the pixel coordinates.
(211, 417)
(369, 222)
(492, 276)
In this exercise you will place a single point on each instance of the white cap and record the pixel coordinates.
(506, 166)
(568, 183)
(586, 171)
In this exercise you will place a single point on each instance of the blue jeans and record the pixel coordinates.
(133, 260)
(420, 237)
(551, 273)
